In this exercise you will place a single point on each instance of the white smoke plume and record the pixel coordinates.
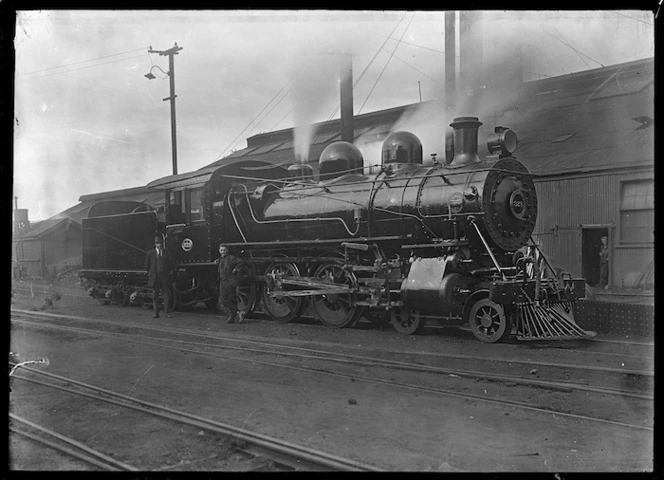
(314, 91)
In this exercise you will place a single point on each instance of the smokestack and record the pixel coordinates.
(450, 61)
(465, 141)
(346, 95)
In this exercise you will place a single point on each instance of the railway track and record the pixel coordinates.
(644, 349)
(286, 454)
(378, 353)
(345, 360)
(66, 445)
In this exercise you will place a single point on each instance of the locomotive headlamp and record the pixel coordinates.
(503, 141)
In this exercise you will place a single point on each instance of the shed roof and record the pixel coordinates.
(38, 230)
(79, 211)
(586, 121)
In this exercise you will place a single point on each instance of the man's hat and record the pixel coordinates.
(158, 240)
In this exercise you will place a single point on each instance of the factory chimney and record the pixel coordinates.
(346, 97)
(450, 61)
(471, 52)
(21, 221)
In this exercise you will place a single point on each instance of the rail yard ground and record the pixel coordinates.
(438, 401)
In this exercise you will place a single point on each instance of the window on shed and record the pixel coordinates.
(196, 211)
(637, 211)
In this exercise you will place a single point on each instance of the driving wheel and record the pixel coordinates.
(282, 309)
(336, 310)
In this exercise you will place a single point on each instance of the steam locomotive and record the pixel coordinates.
(448, 243)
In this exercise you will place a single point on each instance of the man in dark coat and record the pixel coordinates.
(159, 266)
(228, 270)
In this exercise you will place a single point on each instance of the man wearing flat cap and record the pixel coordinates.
(228, 268)
(159, 266)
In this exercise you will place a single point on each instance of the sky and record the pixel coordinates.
(87, 120)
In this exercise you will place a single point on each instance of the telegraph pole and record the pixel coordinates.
(171, 52)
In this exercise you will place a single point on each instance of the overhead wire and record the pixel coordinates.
(355, 82)
(258, 122)
(336, 109)
(253, 120)
(635, 19)
(366, 68)
(82, 61)
(389, 37)
(82, 68)
(578, 52)
(386, 64)
(416, 69)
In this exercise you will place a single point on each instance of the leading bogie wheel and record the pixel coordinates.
(488, 322)
(405, 321)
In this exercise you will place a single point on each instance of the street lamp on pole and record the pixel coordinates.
(171, 74)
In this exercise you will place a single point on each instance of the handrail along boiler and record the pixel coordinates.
(449, 242)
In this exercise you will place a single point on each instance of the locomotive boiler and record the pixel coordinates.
(447, 243)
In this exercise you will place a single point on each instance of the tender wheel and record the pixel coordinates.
(488, 321)
(281, 309)
(405, 321)
(336, 310)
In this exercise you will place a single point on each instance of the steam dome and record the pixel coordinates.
(402, 147)
(339, 158)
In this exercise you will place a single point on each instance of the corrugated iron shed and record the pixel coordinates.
(588, 121)
(582, 122)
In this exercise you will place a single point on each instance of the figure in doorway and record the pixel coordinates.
(604, 263)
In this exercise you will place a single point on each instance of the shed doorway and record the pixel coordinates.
(590, 247)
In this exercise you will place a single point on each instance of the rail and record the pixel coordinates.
(296, 456)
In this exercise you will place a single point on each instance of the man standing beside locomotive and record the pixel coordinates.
(228, 269)
(159, 266)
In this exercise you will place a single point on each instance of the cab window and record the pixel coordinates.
(217, 211)
(176, 207)
(196, 210)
